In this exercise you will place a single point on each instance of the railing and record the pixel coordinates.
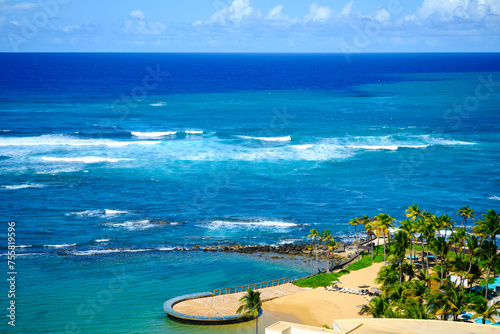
(254, 286)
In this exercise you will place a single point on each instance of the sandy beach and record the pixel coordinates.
(317, 307)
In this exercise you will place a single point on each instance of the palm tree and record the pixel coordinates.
(425, 277)
(355, 222)
(489, 226)
(438, 304)
(457, 239)
(387, 276)
(401, 243)
(413, 212)
(409, 270)
(483, 310)
(473, 247)
(383, 223)
(458, 301)
(250, 306)
(465, 212)
(331, 246)
(440, 247)
(314, 235)
(415, 309)
(377, 307)
(446, 222)
(410, 228)
(326, 237)
(369, 228)
(428, 229)
(488, 251)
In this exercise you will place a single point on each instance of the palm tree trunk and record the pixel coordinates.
(372, 249)
(378, 242)
(400, 272)
(385, 263)
(487, 282)
(317, 263)
(411, 257)
(442, 266)
(422, 249)
(310, 255)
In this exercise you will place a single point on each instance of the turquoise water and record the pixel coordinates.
(105, 176)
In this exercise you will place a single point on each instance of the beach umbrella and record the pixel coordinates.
(375, 289)
(363, 286)
(480, 321)
(336, 282)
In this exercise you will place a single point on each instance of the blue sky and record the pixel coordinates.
(250, 26)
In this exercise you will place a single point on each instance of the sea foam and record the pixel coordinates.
(284, 138)
(65, 140)
(87, 160)
(24, 186)
(254, 224)
(60, 246)
(134, 225)
(153, 134)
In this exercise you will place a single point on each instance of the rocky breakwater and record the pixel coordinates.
(344, 249)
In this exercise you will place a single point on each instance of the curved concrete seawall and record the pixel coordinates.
(220, 306)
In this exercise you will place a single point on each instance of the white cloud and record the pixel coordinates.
(140, 26)
(318, 13)
(70, 28)
(277, 18)
(137, 14)
(16, 23)
(447, 10)
(235, 13)
(18, 6)
(382, 15)
(347, 8)
(276, 13)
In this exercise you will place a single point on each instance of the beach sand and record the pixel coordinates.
(316, 307)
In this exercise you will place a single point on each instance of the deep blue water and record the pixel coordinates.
(99, 151)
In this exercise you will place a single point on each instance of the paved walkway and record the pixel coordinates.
(225, 305)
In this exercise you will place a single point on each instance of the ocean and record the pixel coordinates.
(110, 163)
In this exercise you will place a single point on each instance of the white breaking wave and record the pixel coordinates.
(166, 248)
(101, 240)
(494, 197)
(60, 246)
(153, 134)
(133, 225)
(374, 147)
(285, 138)
(303, 147)
(109, 251)
(87, 160)
(158, 104)
(194, 132)
(24, 246)
(109, 212)
(99, 213)
(64, 140)
(256, 224)
(24, 186)
(286, 241)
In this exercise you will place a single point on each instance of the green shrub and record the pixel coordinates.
(318, 280)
